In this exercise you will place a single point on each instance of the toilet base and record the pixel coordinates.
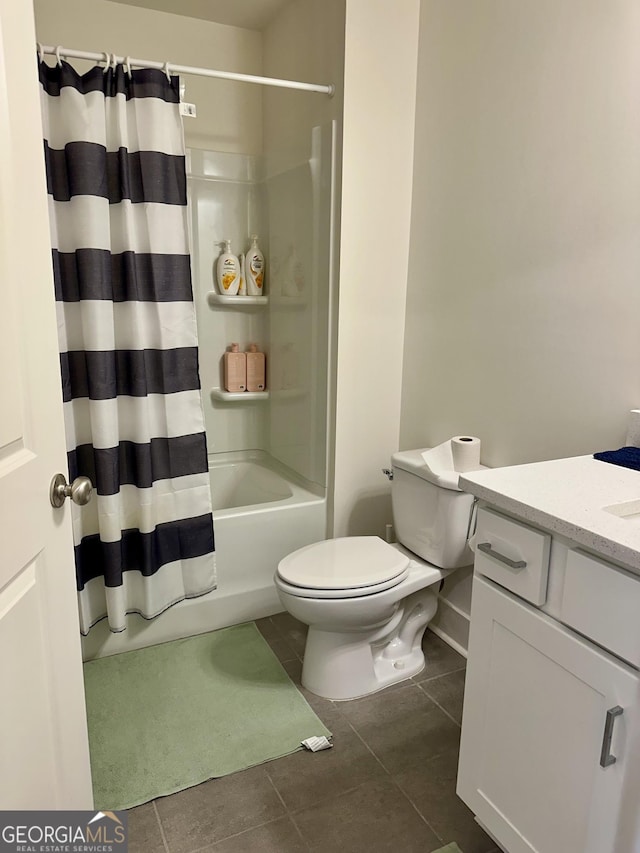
(340, 665)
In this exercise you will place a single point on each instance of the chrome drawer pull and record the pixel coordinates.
(486, 548)
(606, 759)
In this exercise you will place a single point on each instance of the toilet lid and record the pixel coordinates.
(353, 562)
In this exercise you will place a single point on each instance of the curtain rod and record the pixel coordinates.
(187, 69)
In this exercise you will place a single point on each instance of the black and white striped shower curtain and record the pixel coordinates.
(116, 179)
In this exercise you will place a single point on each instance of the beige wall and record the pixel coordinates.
(379, 106)
(304, 42)
(523, 305)
(229, 114)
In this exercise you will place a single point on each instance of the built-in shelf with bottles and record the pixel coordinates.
(284, 195)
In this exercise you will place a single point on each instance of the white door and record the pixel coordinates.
(44, 760)
(535, 709)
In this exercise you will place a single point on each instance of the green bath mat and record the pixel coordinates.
(171, 716)
(450, 848)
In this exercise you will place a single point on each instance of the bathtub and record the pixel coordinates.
(246, 483)
(261, 512)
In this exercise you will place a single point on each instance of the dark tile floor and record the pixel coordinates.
(387, 785)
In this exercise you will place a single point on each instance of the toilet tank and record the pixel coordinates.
(431, 520)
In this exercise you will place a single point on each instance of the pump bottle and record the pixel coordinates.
(255, 369)
(235, 369)
(228, 272)
(254, 269)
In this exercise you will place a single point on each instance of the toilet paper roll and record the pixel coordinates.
(466, 453)
(633, 428)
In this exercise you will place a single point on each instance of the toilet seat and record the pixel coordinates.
(343, 568)
(335, 594)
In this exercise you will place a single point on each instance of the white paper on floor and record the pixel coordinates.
(315, 744)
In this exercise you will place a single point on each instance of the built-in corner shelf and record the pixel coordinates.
(236, 301)
(239, 396)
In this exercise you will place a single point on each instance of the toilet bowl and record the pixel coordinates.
(367, 602)
(363, 636)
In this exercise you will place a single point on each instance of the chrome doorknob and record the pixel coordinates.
(79, 491)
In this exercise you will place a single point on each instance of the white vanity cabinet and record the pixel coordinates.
(548, 750)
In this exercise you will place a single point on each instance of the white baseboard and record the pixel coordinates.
(451, 624)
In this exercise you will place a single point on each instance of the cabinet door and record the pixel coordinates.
(535, 709)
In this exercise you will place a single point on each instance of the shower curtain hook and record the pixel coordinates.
(167, 71)
(57, 53)
(107, 61)
(40, 52)
(127, 66)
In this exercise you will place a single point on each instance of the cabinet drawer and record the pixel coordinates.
(602, 602)
(513, 555)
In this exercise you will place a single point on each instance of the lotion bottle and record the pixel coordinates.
(255, 369)
(228, 272)
(235, 369)
(254, 269)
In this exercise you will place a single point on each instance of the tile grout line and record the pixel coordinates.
(283, 637)
(393, 781)
(287, 810)
(439, 675)
(299, 831)
(438, 705)
(388, 772)
(293, 812)
(327, 799)
(209, 846)
(366, 745)
(417, 810)
(275, 628)
(162, 835)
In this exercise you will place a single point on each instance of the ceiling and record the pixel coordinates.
(250, 14)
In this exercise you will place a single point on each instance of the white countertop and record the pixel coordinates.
(568, 496)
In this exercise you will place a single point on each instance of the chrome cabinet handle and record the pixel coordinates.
(606, 759)
(79, 491)
(486, 548)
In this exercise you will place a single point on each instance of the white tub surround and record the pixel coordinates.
(262, 512)
(570, 497)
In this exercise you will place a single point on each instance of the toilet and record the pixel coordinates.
(367, 602)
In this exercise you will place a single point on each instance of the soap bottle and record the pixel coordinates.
(256, 372)
(254, 268)
(235, 369)
(228, 272)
